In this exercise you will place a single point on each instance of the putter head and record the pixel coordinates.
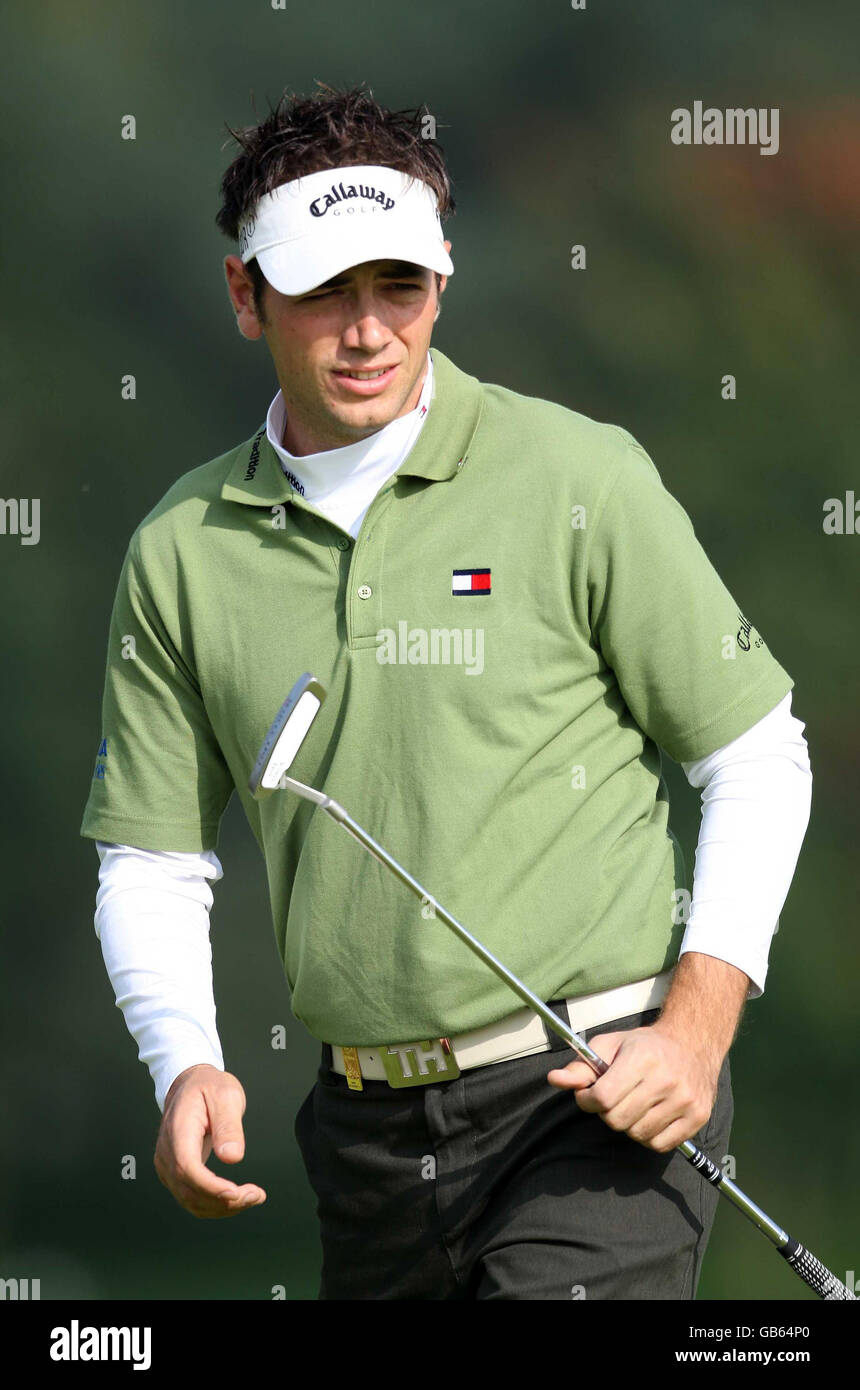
(286, 735)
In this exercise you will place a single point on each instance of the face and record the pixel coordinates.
(374, 318)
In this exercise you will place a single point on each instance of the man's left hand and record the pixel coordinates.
(659, 1088)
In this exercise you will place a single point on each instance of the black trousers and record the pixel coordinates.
(496, 1185)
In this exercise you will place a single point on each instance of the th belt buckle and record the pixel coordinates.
(419, 1063)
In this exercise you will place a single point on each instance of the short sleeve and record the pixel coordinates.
(693, 671)
(161, 781)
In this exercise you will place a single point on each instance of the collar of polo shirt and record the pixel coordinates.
(440, 451)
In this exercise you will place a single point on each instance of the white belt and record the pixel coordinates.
(523, 1033)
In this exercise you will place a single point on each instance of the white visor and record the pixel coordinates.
(307, 231)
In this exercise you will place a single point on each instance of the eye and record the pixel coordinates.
(414, 287)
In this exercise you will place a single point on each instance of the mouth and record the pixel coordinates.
(364, 382)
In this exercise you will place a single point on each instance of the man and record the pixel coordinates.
(512, 616)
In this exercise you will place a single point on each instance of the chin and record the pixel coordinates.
(371, 417)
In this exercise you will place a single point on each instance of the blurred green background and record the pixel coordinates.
(701, 261)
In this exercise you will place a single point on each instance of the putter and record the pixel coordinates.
(276, 756)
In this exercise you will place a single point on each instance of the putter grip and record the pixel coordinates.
(814, 1273)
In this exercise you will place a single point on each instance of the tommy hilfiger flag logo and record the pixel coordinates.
(470, 582)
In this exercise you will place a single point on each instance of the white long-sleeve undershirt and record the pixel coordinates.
(152, 919)
(152, 907)
(756, 800)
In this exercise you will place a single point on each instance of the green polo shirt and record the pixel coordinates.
(524, 621)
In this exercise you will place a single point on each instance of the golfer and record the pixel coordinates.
(512, 617)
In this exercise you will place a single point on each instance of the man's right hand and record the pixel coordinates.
(203, 1112)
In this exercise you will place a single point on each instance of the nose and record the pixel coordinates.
(364, 329)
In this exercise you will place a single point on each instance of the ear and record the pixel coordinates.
(442, 285)
(240, 288)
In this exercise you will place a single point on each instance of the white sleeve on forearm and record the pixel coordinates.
(152, 919)
(756, 798)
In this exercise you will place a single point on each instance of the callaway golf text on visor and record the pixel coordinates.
(310, 229)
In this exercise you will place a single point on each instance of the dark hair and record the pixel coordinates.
(302, 135)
